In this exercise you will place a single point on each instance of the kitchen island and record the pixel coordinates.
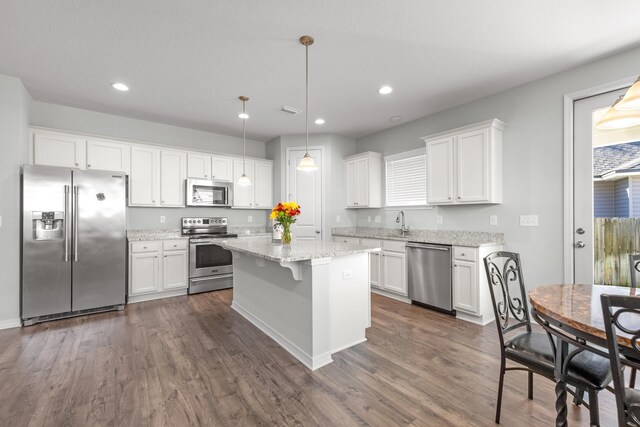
(312, 297)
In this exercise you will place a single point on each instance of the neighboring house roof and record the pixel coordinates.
(609, 159)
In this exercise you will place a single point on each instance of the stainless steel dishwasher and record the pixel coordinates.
(429, 268)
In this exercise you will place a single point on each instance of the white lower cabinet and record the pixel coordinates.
(157, 269)
(471, 297)
(394, 268)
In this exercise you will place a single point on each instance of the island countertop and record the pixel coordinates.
(298, 250)
(441, 237)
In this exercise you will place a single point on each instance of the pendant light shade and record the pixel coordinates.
(307, 164)
(244, 180)
(631, 100)
(619, 119)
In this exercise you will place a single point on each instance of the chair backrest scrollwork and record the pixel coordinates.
(634, 268)
(508, 295)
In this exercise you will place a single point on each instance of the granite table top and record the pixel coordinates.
(442, 237)
(579, 307)
(298, 250)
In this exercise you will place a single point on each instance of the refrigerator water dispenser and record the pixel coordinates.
(48, 225)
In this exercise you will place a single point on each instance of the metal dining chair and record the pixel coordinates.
(634, 269)
(622, 313)
(535, 351)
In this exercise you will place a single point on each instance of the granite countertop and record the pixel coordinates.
(264, 247)
(250, 231)
(148, 235)
(443, 237)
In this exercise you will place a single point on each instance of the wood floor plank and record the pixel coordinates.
(192, 361)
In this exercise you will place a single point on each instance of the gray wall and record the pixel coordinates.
(603, 199)
(533, 162)
(14, 119)
(336, 148)
(92, 122)
(621, 198)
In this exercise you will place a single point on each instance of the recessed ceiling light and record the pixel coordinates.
(120, 86)
(395, 118)
(319, 121)
(385, 90)
(243, 116)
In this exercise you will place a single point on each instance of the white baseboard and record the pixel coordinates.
(159, 295)
(471, 318)
(344, 347)
(391, 295)
(310, 362)
(10, 323)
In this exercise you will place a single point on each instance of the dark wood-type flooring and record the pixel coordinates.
(194, 361)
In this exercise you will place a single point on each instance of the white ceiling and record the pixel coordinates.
(187, 61)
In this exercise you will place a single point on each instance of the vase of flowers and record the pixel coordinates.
(284, 214)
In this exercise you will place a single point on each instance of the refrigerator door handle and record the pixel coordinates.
(67, 218)
(75, 223)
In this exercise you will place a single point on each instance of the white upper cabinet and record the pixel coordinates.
(199, 166)
(258, 195)
(108, 155)
(464, 165)
(59, 149)
(144, 188)
(222, 168)
(263, 172)
(364, 180)
(173, 172)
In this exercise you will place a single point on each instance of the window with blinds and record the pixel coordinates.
(406, 179)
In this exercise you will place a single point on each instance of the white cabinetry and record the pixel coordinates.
(157, 269)
(471, 297)
(199, 166)
(173, 172)
(222, 168)
(59, 149)
(108, 155)
(144, 185)
(364, 180)
(258, 195)
(464, 165)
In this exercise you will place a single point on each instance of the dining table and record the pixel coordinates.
(572, 313)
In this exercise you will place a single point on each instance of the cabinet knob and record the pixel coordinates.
(449, 198)
(161, 201)
(205, 175)
(88, 165)
(458, 197)
(462, 254)
(144, 247)
(153, 201)
(165, 256)
(77, 164)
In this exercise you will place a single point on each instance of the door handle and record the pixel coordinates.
(580, 244)
(75, 223)
(67, 229)
(580, 231)
(317, 231)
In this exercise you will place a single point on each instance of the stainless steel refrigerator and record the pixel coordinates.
(73, 242)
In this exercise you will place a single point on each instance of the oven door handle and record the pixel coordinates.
(220, 276)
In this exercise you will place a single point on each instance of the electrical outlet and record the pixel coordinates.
(163, 219)
(369, 218)
(347, 275)
(378, 219)
(493, 219)
(249, 218)
(337, 218)
(528, 220)
(438, 219)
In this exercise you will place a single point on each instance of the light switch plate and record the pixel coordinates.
(163, 219)
(493, 219)
(369, 218)
(528, 220)
(347, 275)
(438, 219)
(378, 219)
(250, 218)
(337, 218)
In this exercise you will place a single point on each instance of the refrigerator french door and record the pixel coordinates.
(73, 242)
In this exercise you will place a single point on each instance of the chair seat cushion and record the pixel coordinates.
(534, 349)
(632, 401)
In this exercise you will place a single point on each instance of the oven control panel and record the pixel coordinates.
(208, 222)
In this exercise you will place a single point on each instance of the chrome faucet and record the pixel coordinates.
(403, 229)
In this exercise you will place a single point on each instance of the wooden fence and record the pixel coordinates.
(613, 240)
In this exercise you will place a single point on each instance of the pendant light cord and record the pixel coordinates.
(244, 141)
(306, 105)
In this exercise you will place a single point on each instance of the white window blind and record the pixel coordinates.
(406, 179)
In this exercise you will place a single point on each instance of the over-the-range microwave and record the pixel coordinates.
(202, 192)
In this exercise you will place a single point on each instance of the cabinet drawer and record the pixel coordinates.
(371, 243)
(175, 245)
(351, 240)
(465, 254)
(137, 247)
(390, 245)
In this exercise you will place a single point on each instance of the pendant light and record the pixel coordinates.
(631, 100)
(244, 180)
(307, 164)
(615, 118)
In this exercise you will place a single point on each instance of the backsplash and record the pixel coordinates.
(149, 218)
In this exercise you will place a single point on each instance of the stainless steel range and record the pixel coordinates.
(210, 266)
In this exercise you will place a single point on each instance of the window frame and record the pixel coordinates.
(402, 156)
